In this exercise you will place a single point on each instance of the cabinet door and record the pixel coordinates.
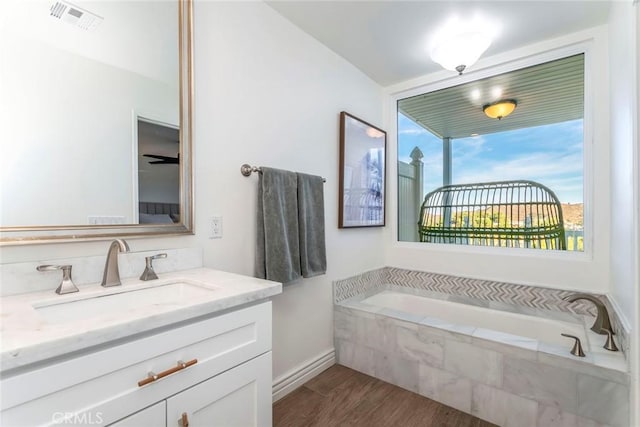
(155, 415)
(240, 397)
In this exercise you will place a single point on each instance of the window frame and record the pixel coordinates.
(582, 47)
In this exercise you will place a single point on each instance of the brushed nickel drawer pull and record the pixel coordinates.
(179, 366)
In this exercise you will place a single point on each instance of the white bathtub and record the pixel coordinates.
(523, 325)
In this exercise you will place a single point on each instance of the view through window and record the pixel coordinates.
(466, 178)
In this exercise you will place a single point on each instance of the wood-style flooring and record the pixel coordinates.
(343, 397)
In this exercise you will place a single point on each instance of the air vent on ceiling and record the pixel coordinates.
(82, 18)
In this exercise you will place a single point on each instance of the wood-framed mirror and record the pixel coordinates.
(98, 106)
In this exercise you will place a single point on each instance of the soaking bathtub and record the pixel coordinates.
(440, 312)
(503, 363)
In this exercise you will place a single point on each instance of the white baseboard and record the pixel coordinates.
(293, 379)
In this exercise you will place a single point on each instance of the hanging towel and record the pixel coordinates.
(313, 257)
(277, 248)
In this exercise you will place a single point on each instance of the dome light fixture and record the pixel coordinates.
(459, 44)
(461, 51)
(500, 109)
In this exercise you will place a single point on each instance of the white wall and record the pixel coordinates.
(269, 94)
(588, 272)
(623, 95)
(266, 94)
(625, 187)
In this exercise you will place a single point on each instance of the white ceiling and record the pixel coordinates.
(389, 40)
(138, 36)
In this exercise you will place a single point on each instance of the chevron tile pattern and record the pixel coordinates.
(486, 290)
(356, 285)
(529, 296)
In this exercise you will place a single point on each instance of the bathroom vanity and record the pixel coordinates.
(191, 349)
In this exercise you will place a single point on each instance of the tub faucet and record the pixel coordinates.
(602, 323)
(111, 276)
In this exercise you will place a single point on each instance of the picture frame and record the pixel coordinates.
(363, 155)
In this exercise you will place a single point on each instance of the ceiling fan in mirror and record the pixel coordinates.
(163, 160)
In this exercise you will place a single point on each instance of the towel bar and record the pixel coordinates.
(247, 170)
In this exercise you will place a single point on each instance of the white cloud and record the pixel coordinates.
(468, 148)
(414, 131)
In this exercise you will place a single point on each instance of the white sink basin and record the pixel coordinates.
(120, 300)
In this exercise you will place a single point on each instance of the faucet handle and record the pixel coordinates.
(577, 346)
(610, 344)
(149, 273)
(66, 286)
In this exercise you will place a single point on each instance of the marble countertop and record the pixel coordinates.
(26, 337)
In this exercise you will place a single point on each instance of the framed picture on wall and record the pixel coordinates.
(363, 150)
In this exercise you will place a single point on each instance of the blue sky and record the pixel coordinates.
(551, 155)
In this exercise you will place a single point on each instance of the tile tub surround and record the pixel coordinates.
(478, 290)
(506, 382)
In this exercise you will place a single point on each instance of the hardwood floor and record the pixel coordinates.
(343, 397)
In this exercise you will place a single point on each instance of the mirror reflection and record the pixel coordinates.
(91, 93)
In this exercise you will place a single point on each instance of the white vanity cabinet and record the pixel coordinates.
(226, 381)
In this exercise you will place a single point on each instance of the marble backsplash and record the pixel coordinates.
(22, 277)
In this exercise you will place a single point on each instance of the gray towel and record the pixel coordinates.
(277, 248)
(313, 257)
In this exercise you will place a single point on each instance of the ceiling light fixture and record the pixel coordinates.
(500, 109)
(460, 51)
(458, 44)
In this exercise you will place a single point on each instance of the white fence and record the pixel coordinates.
(410, 194)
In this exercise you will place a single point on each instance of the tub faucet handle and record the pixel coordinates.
(610, 344)
(577, 346)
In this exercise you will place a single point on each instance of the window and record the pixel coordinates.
(466, 178)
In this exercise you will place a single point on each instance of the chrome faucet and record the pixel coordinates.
(111, 276)
(602, 323)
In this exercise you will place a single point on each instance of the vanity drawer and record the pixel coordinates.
(104, 384)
